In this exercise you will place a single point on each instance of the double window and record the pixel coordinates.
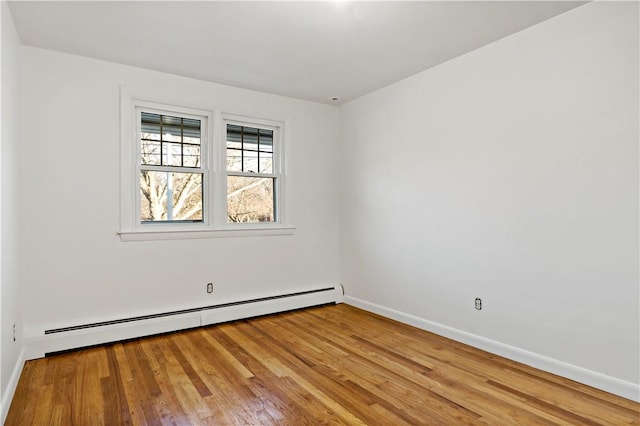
(192, 173)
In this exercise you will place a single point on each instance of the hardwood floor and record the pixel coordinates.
(326, 365)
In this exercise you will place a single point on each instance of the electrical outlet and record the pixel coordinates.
(209, 287)
(14, 332)
(478, 303)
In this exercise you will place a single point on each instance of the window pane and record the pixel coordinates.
(150, 152)
(266, 140)
(191, 155)
(250, 139)
(266, 162)
(150, 126)
(191, 130)
(250, 161)
(250, 200)
(167, 196)
(171, 154)
(234, 136)
(234, 160)
(171, 128)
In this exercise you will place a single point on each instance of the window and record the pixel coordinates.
(252, 178)
(172, 172)
(180, 179)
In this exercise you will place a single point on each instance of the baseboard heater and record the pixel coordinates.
(95, 333)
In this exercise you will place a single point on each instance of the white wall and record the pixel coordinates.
(510, 174)
(10, 290)
(77, 270)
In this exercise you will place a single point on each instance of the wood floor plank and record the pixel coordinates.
(141, 388)
(188, 397)
(86, 391)
(64, 395)
(116, 409)
(327, 365)
(166, 403)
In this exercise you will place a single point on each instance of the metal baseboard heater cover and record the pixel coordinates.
(184, 311)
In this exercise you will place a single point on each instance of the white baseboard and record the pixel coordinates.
(38, 346)
(7, 396)
(215, 316)
(597, 380)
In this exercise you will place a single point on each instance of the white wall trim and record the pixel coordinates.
(154, 235)
(38, 346)
(597, 380)
(7, 396)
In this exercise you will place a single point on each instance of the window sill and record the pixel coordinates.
(184, 234)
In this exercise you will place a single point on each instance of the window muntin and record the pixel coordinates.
(249, 149)
(172, 179)
(169, 141)
(252, 176)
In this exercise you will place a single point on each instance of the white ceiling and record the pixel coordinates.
(307, 50)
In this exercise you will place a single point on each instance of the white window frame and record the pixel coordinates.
(277, 166)
(204, 169)
(213, 165)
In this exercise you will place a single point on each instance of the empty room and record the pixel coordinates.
(331, 212)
